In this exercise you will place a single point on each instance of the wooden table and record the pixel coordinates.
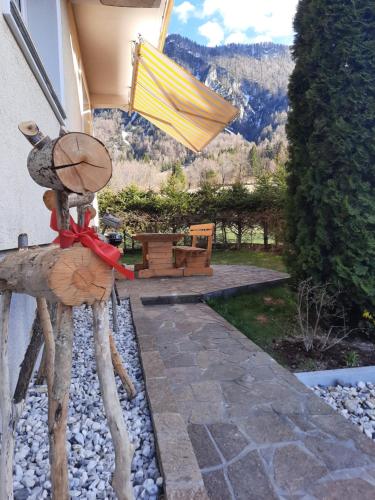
(157, 255)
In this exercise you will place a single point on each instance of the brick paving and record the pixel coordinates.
(230, 422)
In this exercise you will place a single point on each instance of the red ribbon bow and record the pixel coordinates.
(89, 238)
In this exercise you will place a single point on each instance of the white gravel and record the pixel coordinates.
(355, 403)
(91, 455)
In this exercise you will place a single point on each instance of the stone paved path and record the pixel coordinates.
(225, 412)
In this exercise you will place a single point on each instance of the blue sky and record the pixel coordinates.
(217, 22)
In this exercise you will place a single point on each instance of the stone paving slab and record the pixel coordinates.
(241, 426)
(226, 280)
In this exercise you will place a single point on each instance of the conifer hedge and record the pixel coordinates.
(331, 131)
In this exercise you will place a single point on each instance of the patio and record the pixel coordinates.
(230, 422)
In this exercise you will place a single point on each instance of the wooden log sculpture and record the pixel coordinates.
(70, 277)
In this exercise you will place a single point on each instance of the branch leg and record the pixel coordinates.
(49, 341)
(120, 369)
(7, 428)
(58, 403)
(123, 448)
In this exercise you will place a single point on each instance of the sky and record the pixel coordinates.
(218, 22)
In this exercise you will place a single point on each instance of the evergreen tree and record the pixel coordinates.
(331, 131)
(176, 181)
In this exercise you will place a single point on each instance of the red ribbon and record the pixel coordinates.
(89, 238)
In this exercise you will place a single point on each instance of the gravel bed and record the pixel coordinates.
(355, 403)
(91, 455)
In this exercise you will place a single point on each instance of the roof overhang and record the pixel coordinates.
(105, 36)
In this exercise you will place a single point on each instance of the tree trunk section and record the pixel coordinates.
(123, 448)
(72, 276)
(58, 403)
(7, 429)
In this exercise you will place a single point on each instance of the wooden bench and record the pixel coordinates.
(195, 260)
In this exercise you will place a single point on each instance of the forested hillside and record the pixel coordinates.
(253, 77)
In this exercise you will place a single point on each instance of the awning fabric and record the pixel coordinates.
(175, 101)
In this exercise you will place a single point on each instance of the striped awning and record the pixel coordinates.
(175, 101)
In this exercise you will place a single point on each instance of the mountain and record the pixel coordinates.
(253, 77)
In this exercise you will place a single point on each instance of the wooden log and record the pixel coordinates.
(120, 369)
(7, 430)
(58, 403)
(74, 199)
(72, 276)
(123, 448)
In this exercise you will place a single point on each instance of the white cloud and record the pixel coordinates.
(184, 11)
(271, 18)
(237, 37)
(213, 32)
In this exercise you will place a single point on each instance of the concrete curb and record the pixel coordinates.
(342, 376)
(194, 298)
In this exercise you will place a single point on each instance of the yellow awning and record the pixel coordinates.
(175, 101)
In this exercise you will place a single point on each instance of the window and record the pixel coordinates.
(36, 25)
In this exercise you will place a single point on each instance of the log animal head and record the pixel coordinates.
(74, 161)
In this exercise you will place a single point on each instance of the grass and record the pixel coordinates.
(244, 256)
(264, 316)
(248, 257)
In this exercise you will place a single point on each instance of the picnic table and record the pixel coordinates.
(157, 255)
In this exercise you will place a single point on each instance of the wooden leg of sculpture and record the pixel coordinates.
(123, 448)
(49, 343)
(58, 403)
(7, 431)
(120, 369)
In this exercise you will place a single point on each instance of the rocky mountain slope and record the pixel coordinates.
(253, 77)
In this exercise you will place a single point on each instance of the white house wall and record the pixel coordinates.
(21, 206)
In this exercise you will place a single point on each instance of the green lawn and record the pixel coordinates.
(248, 257)
(263, 316)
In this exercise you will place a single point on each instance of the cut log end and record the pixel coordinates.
(80, 277)
(28, 128)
